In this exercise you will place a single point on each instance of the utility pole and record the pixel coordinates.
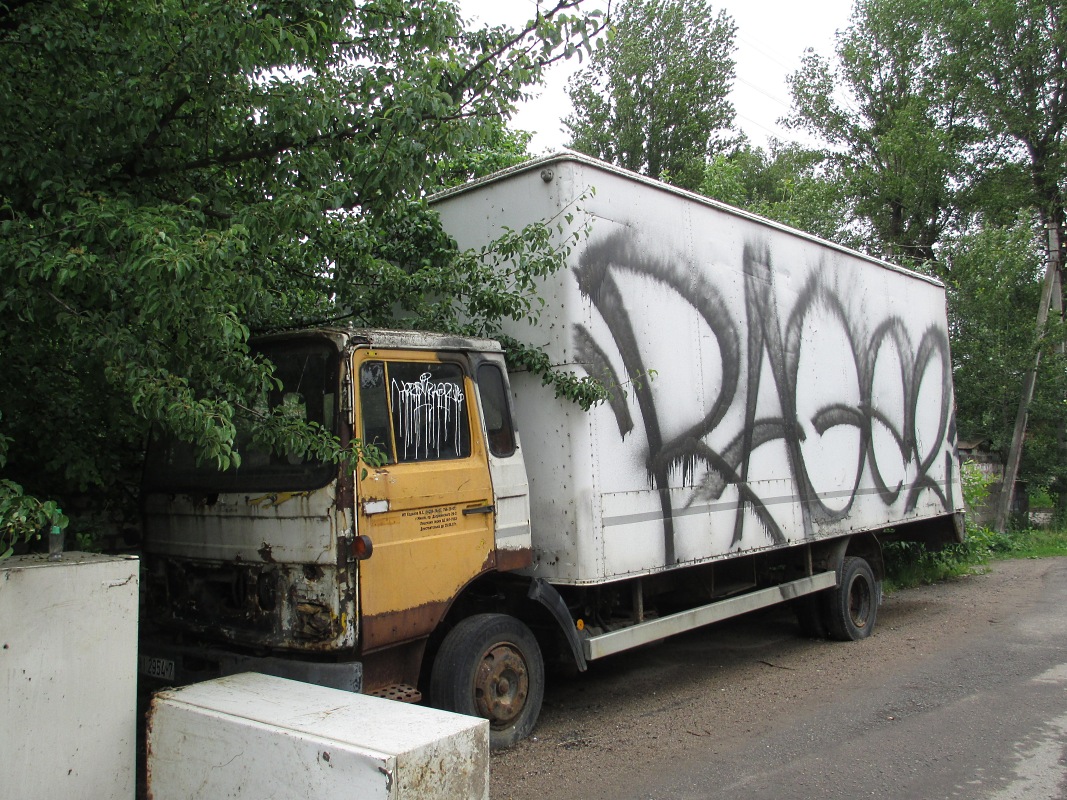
(1011, 469)
(1061, 427)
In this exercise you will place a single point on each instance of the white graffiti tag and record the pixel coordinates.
(431, 416)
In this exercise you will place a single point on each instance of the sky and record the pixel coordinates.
(772, 36)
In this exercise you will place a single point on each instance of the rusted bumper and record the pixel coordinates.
(163, 663)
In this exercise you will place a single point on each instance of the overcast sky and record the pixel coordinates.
(771, 38)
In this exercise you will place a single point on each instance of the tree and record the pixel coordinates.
(993, 286)
(788, 183)
(1010, 60)
(654, 98)
(994, 283)
(177, 175)
(900, 141)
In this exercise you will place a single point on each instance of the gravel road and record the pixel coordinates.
(946, 699)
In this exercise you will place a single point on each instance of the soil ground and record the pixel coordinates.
(722, 693)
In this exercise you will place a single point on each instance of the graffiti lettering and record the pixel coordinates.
(770, 348)
(431, 415)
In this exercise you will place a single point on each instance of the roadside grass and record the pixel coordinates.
(909, 564)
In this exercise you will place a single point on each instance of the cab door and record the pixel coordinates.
(428, 509)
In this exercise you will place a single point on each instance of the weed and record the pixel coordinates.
(911, 564)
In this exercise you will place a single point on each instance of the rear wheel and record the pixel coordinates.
(490, 666)
(853, 604)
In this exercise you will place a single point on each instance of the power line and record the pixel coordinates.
(762, 52)
(768, 95)
(777, 133)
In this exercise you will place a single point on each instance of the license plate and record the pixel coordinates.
(162, 668)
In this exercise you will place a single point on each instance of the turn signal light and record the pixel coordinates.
(362, 547)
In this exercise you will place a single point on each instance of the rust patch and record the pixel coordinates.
(313, 620)
(388, 778)
(276, 498)
(149, 720)
(398, 664)
(508, 560)
(265, 553)
(382, 630)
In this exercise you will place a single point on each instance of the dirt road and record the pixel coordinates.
(961, 692)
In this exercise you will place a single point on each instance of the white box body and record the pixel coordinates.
(771, 388)
(68, 677)
(254, 736)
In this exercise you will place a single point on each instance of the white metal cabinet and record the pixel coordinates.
(257, 736)
(68, 676)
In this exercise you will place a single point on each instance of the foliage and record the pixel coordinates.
(654, 98)
(975, 485)
(789, 184)
(992, 282)
(501, 149)
(178, 175)
(1009, 63)
(899, 141)
(22, 518)
(909, 564)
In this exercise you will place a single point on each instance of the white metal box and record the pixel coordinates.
(257, 736)
(769, 388)
(68, 676)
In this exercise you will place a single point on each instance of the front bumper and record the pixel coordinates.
(163, 663)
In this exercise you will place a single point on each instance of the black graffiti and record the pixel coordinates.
(765, 340)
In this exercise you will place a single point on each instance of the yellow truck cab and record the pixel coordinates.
(342, 577)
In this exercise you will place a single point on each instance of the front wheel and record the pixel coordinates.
(853, 604)
(490, 666)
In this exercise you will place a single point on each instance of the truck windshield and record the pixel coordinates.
(308, 374)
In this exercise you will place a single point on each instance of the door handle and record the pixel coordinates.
(479, 510)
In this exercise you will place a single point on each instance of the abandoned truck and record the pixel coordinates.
(779, 405)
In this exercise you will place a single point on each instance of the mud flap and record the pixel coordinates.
(545, 594)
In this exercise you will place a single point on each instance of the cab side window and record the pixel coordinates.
(414, 411)
(498, 426)
(374, 409)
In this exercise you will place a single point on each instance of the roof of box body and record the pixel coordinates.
(393, 339)
(562, 156)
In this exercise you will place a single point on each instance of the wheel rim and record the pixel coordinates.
(859, 602)
(501, 685)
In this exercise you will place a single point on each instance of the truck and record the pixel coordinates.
(779, 407)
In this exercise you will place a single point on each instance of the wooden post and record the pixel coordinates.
(1061, 427)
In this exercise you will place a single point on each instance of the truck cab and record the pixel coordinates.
(341, 576)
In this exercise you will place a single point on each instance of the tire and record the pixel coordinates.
(490, 666)
(852, 607)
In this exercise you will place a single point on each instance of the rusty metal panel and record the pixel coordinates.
(258, 568)
(255, 736)
(286, 527)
